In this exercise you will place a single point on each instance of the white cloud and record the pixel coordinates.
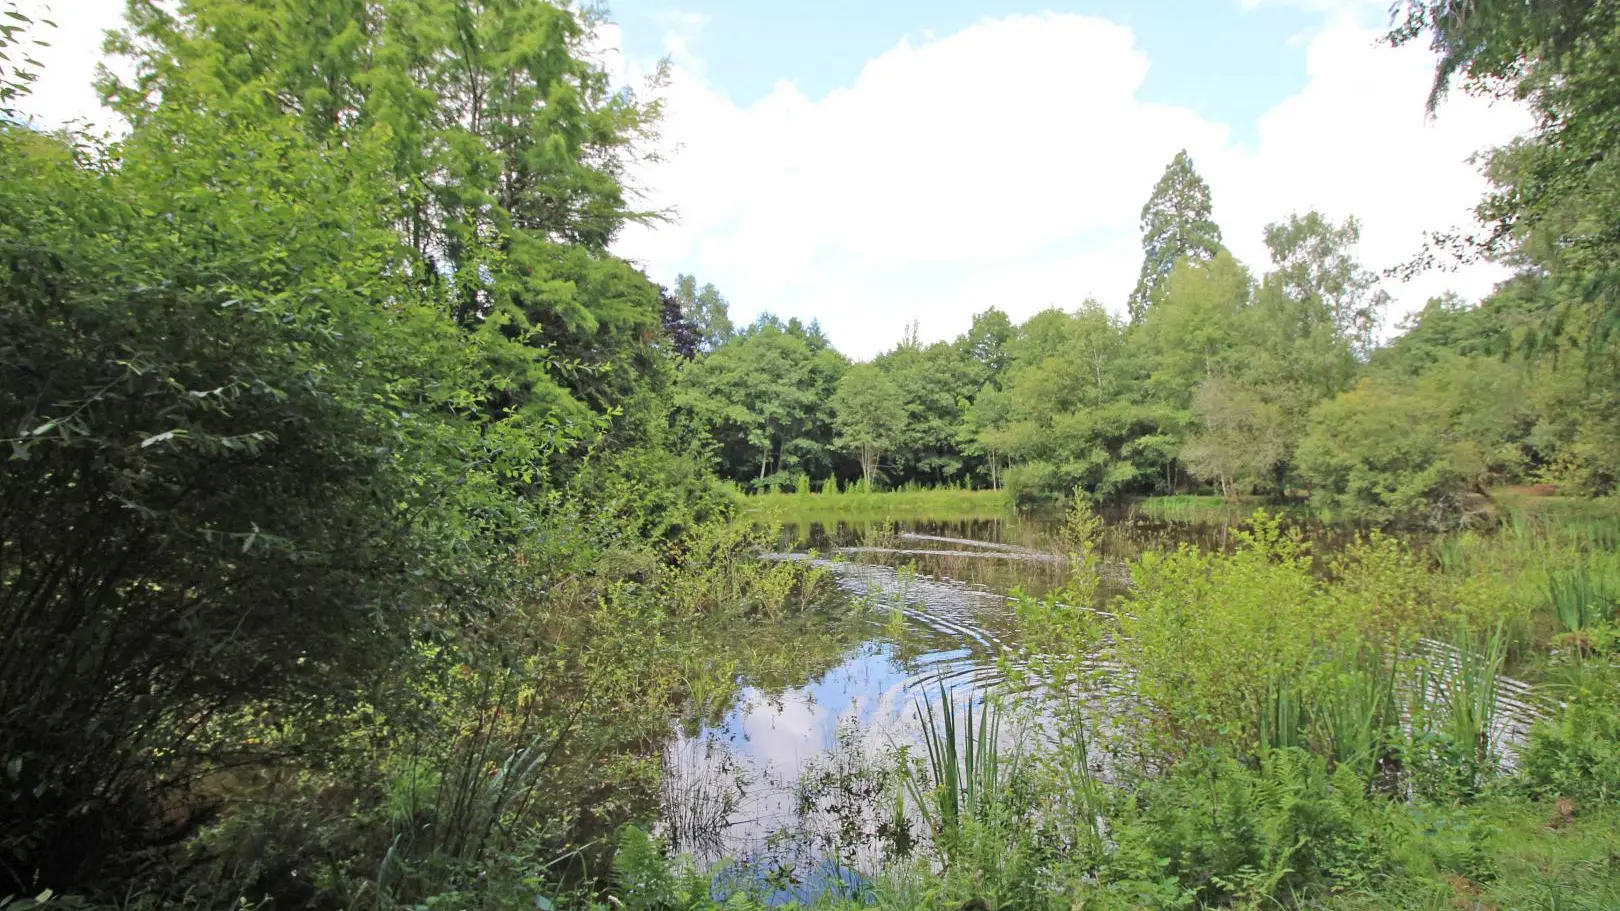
(64, 93)
(1006, 165)
(1001, 165)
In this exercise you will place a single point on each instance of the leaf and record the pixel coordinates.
(161, 437)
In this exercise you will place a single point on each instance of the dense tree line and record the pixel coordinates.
(1272, 384)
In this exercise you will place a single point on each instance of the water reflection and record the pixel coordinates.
(789, 787)
(791, 779)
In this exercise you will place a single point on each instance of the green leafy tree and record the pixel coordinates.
(240, 483)
(870, 416)
(1315, 268)
(1177, 222)
(1199, 328)
(1393, 450)
(1241, 440)
(764, 398)
(935, 383)
(508, 142)
(706, 311)
(1070, 413)
(1563, 181)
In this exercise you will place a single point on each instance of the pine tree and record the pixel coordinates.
(1175, 223)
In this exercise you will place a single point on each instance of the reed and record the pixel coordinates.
(1468, 695)
(967, 770)
(1281, 715)
(1577, 599)
(1353, 713)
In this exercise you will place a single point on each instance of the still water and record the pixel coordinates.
(788, 779)
(787, 786)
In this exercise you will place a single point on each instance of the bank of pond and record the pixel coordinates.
(1159, 706)
(1138, 711)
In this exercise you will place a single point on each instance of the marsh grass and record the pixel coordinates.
(858, 503)
(1281, 723)
(1454, 710)
(967, 772)
(1578, 598)
(1354, 714)
(1191, 508)
(1201, 509)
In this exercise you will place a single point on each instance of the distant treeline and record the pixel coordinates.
(1271, 384)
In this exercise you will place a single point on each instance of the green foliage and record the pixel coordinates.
(765, 398)
(1224, 833)
(1556, 190)
(967, 775)
(236, 479)
(1176, 224)
(1577, 754)
(504, 142)
(16, 76)
(1579, 600)
(358, 543)
(707, 312)
(869, 416)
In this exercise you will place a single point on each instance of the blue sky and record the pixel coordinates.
(1225, 61)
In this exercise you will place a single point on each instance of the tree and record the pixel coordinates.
(1394, 450)
(764, 399)
(678, 329)
(506, 143)
(1242, 438)
(706, 310)
(985, 345)
(1563, 181)
(240, 483)
(1315, 268)
(869, 414)
(1176, 223)
(935, 384)
(1199, 329)
(1069, 413)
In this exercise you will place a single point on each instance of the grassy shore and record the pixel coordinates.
(906, 503)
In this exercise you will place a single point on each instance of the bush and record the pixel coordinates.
(1225, 832)
(1575, 754)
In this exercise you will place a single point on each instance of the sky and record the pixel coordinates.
(869, 164)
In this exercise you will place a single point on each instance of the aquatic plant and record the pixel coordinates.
(1579, 599)
(967, 772)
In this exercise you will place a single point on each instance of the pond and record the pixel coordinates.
(789, 786)
(788, 774)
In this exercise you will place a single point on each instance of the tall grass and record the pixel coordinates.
(856, 502)
(1456, 698)
(966, 772)
(1354, 712)
(1281, 715)
(1575, 600)
(1191, 508)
